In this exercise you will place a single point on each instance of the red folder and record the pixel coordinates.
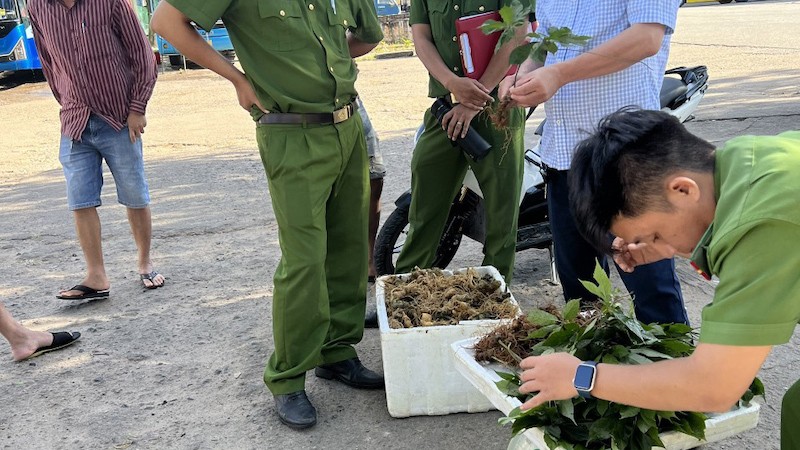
(477, 48)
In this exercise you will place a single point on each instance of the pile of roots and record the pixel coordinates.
(509, 343)
(430, 297)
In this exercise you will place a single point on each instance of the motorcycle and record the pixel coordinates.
(679, 97)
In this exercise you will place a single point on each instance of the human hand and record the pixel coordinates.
(537, 87)
(629, 255)
(470, 93)
(551, 376)
(504, 88)
(247, 95)
(136, 124)
(456, 121)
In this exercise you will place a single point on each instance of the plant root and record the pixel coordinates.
(429, 297)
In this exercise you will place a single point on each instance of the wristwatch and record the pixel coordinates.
(584, 378)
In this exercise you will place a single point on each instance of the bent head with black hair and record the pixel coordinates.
(644, 178)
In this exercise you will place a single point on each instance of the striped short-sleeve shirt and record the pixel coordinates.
(577, 107)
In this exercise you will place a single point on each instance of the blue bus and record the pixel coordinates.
(218, 38)
(387, 7)
(17, 50)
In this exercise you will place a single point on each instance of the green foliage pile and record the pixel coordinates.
(609, 335)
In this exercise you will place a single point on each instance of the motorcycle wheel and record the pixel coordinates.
(387, 247)
(392, 236)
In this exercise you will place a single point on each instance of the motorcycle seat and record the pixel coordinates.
(671, 90)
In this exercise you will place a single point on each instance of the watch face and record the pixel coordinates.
(584, 377)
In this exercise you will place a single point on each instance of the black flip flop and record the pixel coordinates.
(86, 293)
(149, 277)
(61, 339)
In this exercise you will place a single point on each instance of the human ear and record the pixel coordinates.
(683, 188)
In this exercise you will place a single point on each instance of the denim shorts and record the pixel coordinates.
(376, 168)
(83, 166)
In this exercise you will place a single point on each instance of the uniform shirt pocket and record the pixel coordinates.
(472, 7)
(284, 20)
(342, 16)
(442, 19)
(340, 21)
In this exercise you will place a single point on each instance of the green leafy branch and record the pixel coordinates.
(537, 46)
(515, 16)
(604, 332)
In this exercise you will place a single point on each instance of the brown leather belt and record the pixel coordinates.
(338, 116)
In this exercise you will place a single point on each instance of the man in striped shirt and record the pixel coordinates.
(101, 70)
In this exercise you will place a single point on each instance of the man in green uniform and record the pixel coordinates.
(736, 212)
(299, 85)
(437, 167)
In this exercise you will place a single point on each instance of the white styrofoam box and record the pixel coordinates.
(421, 378)
(484, 377)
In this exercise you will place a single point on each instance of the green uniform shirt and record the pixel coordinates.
(753, 245)
(294, 52)
(441, 15)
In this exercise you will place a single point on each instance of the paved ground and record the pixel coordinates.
(180, 367)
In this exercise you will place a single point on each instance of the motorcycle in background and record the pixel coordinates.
(679, 96)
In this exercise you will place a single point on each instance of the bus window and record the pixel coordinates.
(386, 7)
(8, 10)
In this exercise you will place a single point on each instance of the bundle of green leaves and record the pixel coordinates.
(605, 333)
(515, 16)
(512, 19)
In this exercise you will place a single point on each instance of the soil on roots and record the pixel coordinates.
(510, 343)
(499, 113)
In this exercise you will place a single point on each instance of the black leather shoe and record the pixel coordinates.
(371, 320)
(352, 373)
(295, 410)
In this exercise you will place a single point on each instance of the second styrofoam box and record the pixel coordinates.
(421, 378)
(484, 376)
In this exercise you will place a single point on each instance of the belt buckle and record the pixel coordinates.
(342, 114)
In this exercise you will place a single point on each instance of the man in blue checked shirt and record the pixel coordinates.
(622, 64)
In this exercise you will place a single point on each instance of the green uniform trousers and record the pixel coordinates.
(790, 418)
(318, 183)
(437, 173)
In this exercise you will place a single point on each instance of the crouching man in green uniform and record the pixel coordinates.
(438, 168)
(299, 85)
(736, 212)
